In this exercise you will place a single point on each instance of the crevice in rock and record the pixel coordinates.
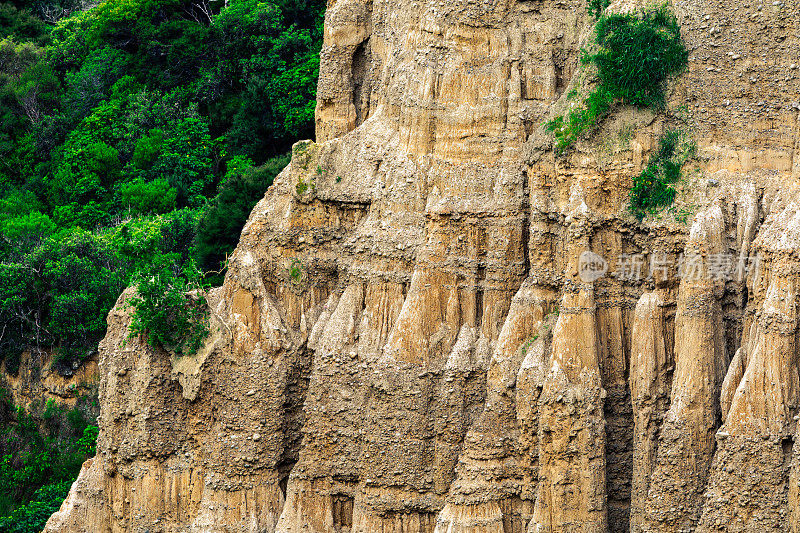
(283, 484)
(342, 512)
(514, 520)
(561, 72)
(733, 308)
(526, 223)
(787, 445)
(479, 303)
(618, 413)
(361, 60)
(558, 72)
(294, 416)
(411, 521)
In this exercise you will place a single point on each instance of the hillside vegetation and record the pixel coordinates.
(135, 138)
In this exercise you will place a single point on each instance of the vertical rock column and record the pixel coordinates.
(493, 489)
(344, 66)
(794, 487)
(329, 448)
(685, 452)
(749, 483)
(572, 443)
(651, 370)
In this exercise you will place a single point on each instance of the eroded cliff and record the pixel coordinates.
(407, 340)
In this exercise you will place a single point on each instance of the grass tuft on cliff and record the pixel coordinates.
(653, 188)
(636, 56)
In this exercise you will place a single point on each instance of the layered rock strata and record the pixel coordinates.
(407, 339)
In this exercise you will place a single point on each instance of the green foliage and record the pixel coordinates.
(32, 516)
(135, 138)
(76, 313)
(21, 24)
(637, 54)
(28, 91)
(653, 188)
(296, 271)
(148, 149)
(596, 7)
(252, 65)
(25, 232)
(17, 202)
(154, 197)
(87, 444)
(185, 161)
(302, 186)
(170, 308)
(278, 43)
(141, 242)
(80, 276)
(41, 452)
(118, 145)
(59, 293)
(527, 345)
(92, 84)
(221, 223)
(594, 108)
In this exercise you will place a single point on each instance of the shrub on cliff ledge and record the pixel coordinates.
(636, 56)
(653, 188)
(170, 308)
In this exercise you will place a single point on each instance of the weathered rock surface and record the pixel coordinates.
(36, 381)
(408, 342)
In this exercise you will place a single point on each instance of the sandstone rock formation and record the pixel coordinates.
(405, 341)
(36, 381)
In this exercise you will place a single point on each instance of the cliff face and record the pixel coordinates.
(407, 339)
(36, 381)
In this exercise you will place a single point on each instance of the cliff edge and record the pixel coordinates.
(432, 323)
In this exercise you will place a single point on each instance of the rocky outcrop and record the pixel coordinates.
(651, 366)
(411, 336)
(37, 380)
(675, 495)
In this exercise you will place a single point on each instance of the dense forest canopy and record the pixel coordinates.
(135, 138)
(131, 130)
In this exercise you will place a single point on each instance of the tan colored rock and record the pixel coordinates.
(572, 446)
(37, 381)
(756, 441)
(793, 516)
(674, 499)
(650, 380)
(496, 477)
(387, 327)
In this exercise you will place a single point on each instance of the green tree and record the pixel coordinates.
(32, 516)
(20, 24)
(221, 223)
(23, 233)
(154, 197)
(135, 138)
